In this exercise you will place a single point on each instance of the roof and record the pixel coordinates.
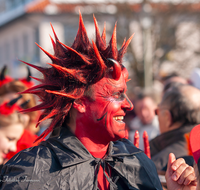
(61, 6)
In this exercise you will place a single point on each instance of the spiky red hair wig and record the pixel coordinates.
(73, 70)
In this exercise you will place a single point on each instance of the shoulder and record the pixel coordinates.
(125, 148)
(26, 167)
(132, 163)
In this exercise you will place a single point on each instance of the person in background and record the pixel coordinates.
(146, 120)
(178, 113)
(173, 77)
(12, 124)
(187, 178)
(180, 176)
(9, 89)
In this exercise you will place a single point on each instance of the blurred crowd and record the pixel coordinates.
(168, 118)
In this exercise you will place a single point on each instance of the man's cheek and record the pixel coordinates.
(114, 105)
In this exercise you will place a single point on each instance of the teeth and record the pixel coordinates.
(118, 118)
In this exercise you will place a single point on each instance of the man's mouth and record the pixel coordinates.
(119, 119)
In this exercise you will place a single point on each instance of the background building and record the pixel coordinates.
(167, 35)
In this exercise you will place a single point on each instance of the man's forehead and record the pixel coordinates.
(111, 83)
(125, 73)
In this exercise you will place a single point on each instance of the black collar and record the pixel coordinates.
(70, 151)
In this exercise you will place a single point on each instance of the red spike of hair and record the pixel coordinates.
(39, 107)
(30, 90)
(53, 43)
(54, 32)
(74, 51)
(100, 43)
(47, 131)
(34, 66)
(113, 43)
(60, 50)
(100, 60)
(123, 49)
(81, 40)
(124, 42)
(103, 36)
(50, 115)
(53, 58)
(40, 80)
(75, 73)
(63, 94)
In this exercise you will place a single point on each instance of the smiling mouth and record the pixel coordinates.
(119, 119)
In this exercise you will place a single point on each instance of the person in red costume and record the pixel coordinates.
(9, 90)
(83, 92)
(12, 125)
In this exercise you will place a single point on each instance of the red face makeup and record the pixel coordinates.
(102, 120)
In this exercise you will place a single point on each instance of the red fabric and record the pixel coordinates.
(103, 184)
(28, 84)
(26, 141)
(6, 80)
(7, 110)
(194, 142)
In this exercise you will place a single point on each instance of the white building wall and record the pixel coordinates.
(10, 35)
(45, 41)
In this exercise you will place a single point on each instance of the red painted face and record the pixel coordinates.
(102, 120)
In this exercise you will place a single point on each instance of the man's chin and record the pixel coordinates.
(121, 135)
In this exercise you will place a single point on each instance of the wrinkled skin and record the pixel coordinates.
(101, 120)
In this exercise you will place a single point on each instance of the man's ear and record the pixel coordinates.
(79, 105)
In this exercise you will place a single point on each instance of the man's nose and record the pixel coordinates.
(127, 104)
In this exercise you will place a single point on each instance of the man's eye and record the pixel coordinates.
(117, 95)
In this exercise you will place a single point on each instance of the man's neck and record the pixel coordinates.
(90, 145)
(175, 126)
(93, 146)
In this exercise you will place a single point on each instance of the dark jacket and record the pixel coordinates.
(64, 163)
(174, 141)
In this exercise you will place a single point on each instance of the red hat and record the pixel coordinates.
(195, 142)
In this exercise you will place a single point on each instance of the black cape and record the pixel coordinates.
(64, 163)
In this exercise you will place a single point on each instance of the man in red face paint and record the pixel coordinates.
(84, 93)
(105, 109)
